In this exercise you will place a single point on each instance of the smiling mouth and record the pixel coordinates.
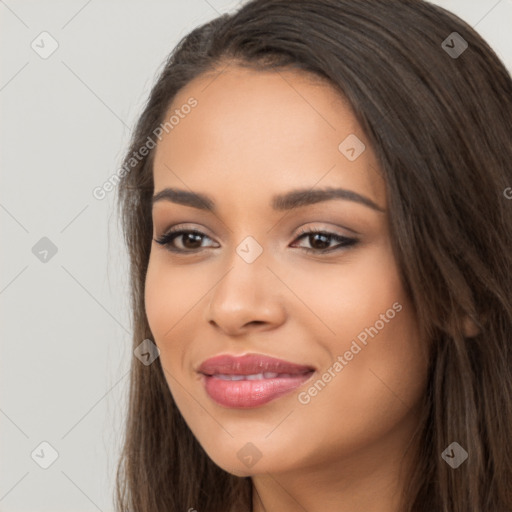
(250, 380)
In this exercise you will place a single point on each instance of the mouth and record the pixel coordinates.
(251, 380)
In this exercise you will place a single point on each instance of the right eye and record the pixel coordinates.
(190, 240)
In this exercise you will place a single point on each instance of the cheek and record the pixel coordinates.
(168, 298)
(156, 296)
(170, 294)
(369, 321)
(343, 299)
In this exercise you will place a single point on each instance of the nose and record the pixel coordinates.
(248, 297)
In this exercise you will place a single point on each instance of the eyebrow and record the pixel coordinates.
(280, 202)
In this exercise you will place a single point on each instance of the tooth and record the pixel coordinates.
(270, 375)
(229, 377)
(255, 376)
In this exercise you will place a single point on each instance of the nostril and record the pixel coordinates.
(256, 322)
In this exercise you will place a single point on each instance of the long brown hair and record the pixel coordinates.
(439, 118)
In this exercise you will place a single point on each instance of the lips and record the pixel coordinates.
(252, 366)
(251, 380)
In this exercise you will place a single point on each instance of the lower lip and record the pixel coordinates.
(251, 393)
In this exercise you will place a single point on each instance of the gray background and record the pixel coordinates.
(65, 332)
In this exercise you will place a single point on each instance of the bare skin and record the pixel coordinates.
(251, 136)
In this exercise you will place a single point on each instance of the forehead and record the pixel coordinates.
(263, 130)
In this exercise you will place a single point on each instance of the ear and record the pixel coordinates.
(470, 328)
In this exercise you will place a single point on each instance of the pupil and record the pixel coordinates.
(189, 237)
(325, 240)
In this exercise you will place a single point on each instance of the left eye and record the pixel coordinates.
(322, 240)
(191, 240)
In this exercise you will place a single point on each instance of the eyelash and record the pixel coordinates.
(344, 242)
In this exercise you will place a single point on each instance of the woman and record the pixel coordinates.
(315, 207)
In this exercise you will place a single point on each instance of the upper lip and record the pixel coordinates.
(250, 364)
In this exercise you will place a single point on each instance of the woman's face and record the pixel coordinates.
(252, 283)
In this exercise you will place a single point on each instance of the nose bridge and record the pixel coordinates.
(246, 275)
(245, 294)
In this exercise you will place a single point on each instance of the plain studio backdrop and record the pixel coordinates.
(74, 77)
